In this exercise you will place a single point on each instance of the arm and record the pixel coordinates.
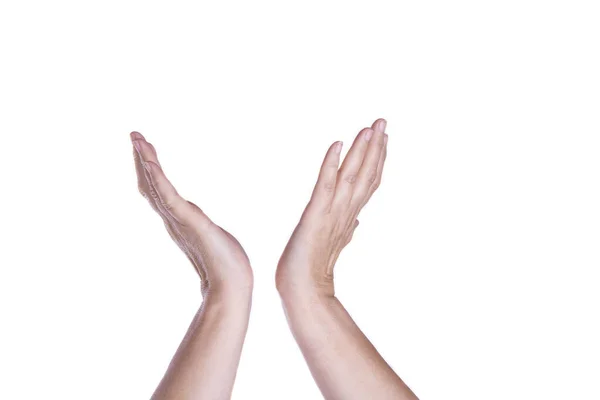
(205, 364)
(343, 362)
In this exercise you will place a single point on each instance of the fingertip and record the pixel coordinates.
(338, 147)
(379, 125)
(368, 133)
(136, 135)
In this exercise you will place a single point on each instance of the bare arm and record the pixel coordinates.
(344, 364)
(206, 362)
(205, 365)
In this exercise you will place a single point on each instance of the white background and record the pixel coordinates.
(475, 267)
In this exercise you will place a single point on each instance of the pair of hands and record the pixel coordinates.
(325, 228)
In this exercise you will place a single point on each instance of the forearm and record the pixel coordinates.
(205, 364)
(342, 360)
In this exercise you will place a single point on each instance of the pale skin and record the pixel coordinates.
(343, 362)
(205, 364)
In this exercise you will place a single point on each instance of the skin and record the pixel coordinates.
(343, 362)
(206, 362)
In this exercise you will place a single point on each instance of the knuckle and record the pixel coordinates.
(329, 186)
(371, 176)
(350, 178)
(331, 164)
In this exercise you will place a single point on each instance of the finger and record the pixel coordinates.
(162, 198)
(136, 135)
(148, 154)
(167, 197)
(379, 125)
(380, 166)
(325, 187)
(143, 183)
(168, 201)
(348, 172)
(149, 192)
(146, 150)
(367, 174)
(153, 150)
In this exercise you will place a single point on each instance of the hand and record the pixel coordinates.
(216, 255)
(329, 219)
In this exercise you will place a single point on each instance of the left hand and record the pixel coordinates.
(329, 219)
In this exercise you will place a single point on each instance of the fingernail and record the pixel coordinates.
(338, 147)
(385, 138)
(368, 134)
(382, 125)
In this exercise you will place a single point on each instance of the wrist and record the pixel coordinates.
(301, 287)
(236, 296)
(305, 294)
(238, 286)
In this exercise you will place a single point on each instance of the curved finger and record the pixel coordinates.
(325, 187)
(142, 178)
(367, 174)
(379, 125)
(380, 166)
(167, 196)
(160, 188)
(147, 189)
(146, 150)
(348, 173)
(153, 149)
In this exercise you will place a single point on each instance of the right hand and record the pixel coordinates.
(216, 255)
